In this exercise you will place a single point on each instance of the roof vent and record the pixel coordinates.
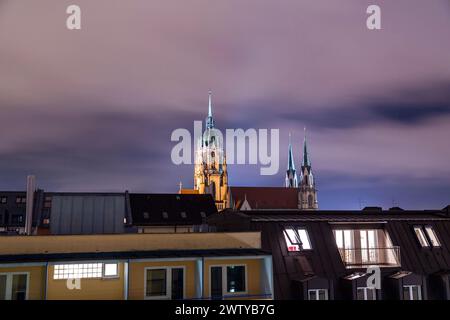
(373, 209)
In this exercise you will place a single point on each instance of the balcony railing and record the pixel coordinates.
(364, 257)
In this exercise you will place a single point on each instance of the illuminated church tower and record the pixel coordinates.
(210, 172)
(291, 174)
(307, 185)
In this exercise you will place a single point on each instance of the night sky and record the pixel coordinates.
(93, 110)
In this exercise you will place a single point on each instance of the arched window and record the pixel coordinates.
(310, 201)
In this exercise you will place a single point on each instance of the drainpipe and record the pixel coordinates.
(31, 188)
(46, 281)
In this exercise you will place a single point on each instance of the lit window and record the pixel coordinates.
(78, 271)
(297, 240)
(421, 236)
(412, 292)
(111, 270)
(432, 236)
(366, 293)
(318, 294)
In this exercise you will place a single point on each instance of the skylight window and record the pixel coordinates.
(421, 236)
(297, 239)
(432, 236)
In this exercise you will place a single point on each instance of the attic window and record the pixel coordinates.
(421, 236)
(146, 215)
(165, 215)
(434, 240)
(183, 214)
(297, 239)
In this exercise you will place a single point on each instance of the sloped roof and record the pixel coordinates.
(161, 209)
(265, 197)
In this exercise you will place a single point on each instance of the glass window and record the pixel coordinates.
(2, 286)
(432, 236)
(165, 215)
(111, 270)
(13, 286)
(318, 294)
(421, 236)
(295, 239)
(156, 283)
(183, 214)
(78, 271)
(366, 293)
(177, 283)
(235, 279)
(3, 200)
(412, 292)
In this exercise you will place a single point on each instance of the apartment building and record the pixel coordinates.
(135, 267)
(368, 254)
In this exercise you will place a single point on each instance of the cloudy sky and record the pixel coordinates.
(93, 109)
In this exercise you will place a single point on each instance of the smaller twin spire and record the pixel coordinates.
(306, 162)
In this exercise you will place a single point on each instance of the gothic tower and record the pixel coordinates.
(291, 174)
(210, 171)
(307, 185)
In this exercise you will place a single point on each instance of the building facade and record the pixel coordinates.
(135, 267)
(352, 255)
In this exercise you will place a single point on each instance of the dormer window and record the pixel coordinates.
(297, 239)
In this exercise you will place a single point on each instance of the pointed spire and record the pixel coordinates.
(209, 120)
(209, 104)
(291, 164)
(305, 162)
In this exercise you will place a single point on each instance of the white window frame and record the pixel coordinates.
(224, 267)
(9, 279)
(316, 292)
(432, 236)
(410, 290)
(366, 289)
(168, 295)
(294, 247)
(102, 270)
(117, 275)
(421, 237)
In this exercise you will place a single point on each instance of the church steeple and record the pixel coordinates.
(291, 175)
(306, 162)
(209, 122)
(307, 185)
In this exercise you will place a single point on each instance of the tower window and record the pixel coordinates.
(310, 201)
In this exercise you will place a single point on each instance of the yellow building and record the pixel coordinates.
(135, 266)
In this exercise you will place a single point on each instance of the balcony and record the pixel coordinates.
(365, 257)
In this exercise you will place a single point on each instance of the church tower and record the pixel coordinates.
(308, 193)
(210, 171)
(291, 174)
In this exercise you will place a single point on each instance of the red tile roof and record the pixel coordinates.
(265, 197)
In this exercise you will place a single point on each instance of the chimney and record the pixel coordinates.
(31, 188)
